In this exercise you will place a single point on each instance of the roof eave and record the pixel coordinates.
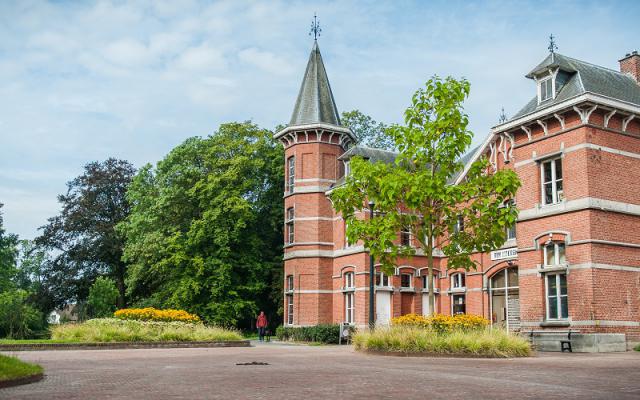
(319, 125)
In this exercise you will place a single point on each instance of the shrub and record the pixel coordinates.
(442, 323)
(118, 330)
(103, 295)
(637, 348)
(485, 342)
(323, 333)
(18, 319)
(153, 314)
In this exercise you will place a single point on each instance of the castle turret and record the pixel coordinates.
(313, 141)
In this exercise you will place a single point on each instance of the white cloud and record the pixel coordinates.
(265, 60)
(85, 81)
(200, 59)
(127, 53)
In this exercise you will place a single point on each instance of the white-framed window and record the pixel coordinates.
(291, 172)
(510, 230)
(546, 89)
(458, 281)
(458, 304)
(406, 280)
(405, 238)
(382, 280)
(347, 243)
(552, 188)
(459, 226)
(557, 299)
(349, 307)
(347, 168)
(290, 226)
(554, 254)
(290, 309)
(289, 283)
(349, 280)
(425, 280)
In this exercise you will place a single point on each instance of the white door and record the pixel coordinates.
(425, 305)
(383, 307)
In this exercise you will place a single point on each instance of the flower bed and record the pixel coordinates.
(442, 323)
(153, 314)
(117, 330)
(415, 340)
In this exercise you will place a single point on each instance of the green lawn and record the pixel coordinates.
(12, 368)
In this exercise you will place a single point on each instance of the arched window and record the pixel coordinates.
(382, 280)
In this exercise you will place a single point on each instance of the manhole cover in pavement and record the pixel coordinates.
(253, 363)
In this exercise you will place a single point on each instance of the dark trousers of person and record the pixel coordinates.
(261, 332)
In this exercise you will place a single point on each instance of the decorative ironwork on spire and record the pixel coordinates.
(503, 117)
(552, 44)
(315, 27)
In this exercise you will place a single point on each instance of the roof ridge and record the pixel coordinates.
(594, 65)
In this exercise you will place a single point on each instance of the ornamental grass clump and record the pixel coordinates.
(118, 330)
(153, 314)
(484, 342)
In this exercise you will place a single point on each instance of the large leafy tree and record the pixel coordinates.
(416, 193)
(205, 231)
(83, 236)
(368, 131)
(8, 256)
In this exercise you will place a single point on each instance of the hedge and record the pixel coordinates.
(323, 333)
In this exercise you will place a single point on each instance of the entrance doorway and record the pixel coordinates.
(383, 307)
(505, 299)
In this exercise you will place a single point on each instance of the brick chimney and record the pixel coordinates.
(630, 65)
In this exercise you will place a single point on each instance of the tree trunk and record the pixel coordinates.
(121, 302)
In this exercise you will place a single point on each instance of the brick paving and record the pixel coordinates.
(318, 372)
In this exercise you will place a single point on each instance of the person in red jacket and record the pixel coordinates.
(261, 324)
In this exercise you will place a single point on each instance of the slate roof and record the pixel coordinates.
(370, 153)
(387, 156)
(582, 77)
(315, 103)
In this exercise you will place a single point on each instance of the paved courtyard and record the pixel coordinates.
(323, 372)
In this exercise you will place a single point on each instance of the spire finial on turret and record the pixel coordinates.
(503, 117)
(552, 44)
(315, 27)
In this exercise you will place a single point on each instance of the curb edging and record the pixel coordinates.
(22, 380)
(121, 345)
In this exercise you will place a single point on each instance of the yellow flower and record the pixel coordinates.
(152, 314)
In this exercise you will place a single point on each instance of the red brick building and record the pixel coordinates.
(572, 262)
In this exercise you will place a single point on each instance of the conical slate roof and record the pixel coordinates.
(315, 102)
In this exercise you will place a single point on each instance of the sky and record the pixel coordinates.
(84, 81)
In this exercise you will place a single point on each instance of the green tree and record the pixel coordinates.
(8, 257)
(18, 319)
(33, 263)
(83, 236)
(102, 298)
(416, 193)
(368, 131)
(205, 230)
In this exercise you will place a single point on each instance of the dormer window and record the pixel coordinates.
(546, 89)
